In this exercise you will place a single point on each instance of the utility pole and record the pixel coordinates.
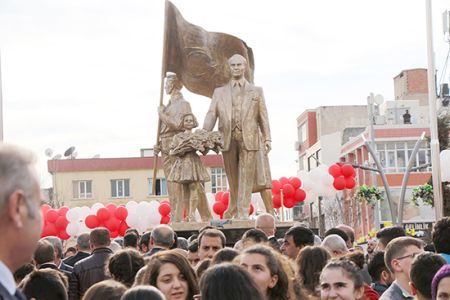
(434, 142)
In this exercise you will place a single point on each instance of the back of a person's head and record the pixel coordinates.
(124, 264)
(193, 246)
(357, 257)
(423, 269)
(310, 261)
(224, 255)
(99, 237)
(397, 248)
(228, 281)
(387, 234)
(182, 243)
(162, 235)
(201, 267)
(337, 231)
(106, 289)
(130, 240)
(144, 240)
(302, 236)
(441, 235)
(376, 266)
(83, 241)
(57, 245)
(349, 231)
(44, 252)
(254, 236)
(45, 284)
(143, 292)
(132, 230)
(23, 271)
(335, 244)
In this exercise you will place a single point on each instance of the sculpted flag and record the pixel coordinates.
(199, 57)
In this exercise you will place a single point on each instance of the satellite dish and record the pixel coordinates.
(57, 156)
(96, 156)
(379, 99)
(48, 152)
(69, 151)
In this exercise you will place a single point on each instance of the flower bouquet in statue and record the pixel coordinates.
(200, 140)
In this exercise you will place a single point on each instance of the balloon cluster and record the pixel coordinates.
(164, 210)
(111, 217)
(221, 204)
(344, 176)
(291, 190)
(55, 222)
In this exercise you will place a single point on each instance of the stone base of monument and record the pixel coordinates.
(233, 229)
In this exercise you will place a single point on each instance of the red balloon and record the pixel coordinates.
(283, 181)
(51, 215)
(45, 208)
(218, 196)
(226, 199)
(165, 220)
(335, 170)
(165, 201)
(353, 173)
(276, 186)
(252, 210)
(289, 202)
(92, 221)
(295, 182)
(219, 208)
(113, 234)
(49, 230)
(350, 182)
(339, 183)
(63, 235)
(103, 214)
(113, 224)
(121, 213)
(288, 190)
(164, 209)
(123, 227)
(61, 223)
(300, 195)
(276, 199)
(62, 211)
(111, 207)
(347, 170)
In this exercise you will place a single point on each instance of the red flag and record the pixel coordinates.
(198, 57)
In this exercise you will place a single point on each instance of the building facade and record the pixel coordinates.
(79, 182)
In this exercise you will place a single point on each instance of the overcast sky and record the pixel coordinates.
(86, 73)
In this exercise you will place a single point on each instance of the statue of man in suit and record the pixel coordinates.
(244, 125)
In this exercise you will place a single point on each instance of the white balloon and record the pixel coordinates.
(327, 180)
(307, 184)
(72, 229)
(131, 205)
(96, 207)
(73, 214)
(132, 220)
(84, 212)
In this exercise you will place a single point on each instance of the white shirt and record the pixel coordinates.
(7, 279)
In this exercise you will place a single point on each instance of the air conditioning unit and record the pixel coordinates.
(297, 146)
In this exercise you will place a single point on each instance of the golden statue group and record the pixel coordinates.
(243, 135)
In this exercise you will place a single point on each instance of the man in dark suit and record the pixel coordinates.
(44, 257)
(91, 270)
(244, 125)
(59, 253)
(20, 216)
(83, 250)
(161, 238)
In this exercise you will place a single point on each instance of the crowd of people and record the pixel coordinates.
(159, 265)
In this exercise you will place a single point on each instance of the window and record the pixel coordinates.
(218, 180)
(120, 188)
(161, 187)
(394, 156)
(82, 189)
(302, 132)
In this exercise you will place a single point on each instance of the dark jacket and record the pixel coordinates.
(51, 265)
(65, 268)
(154, 250)
(87, 272)
(71, 261)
